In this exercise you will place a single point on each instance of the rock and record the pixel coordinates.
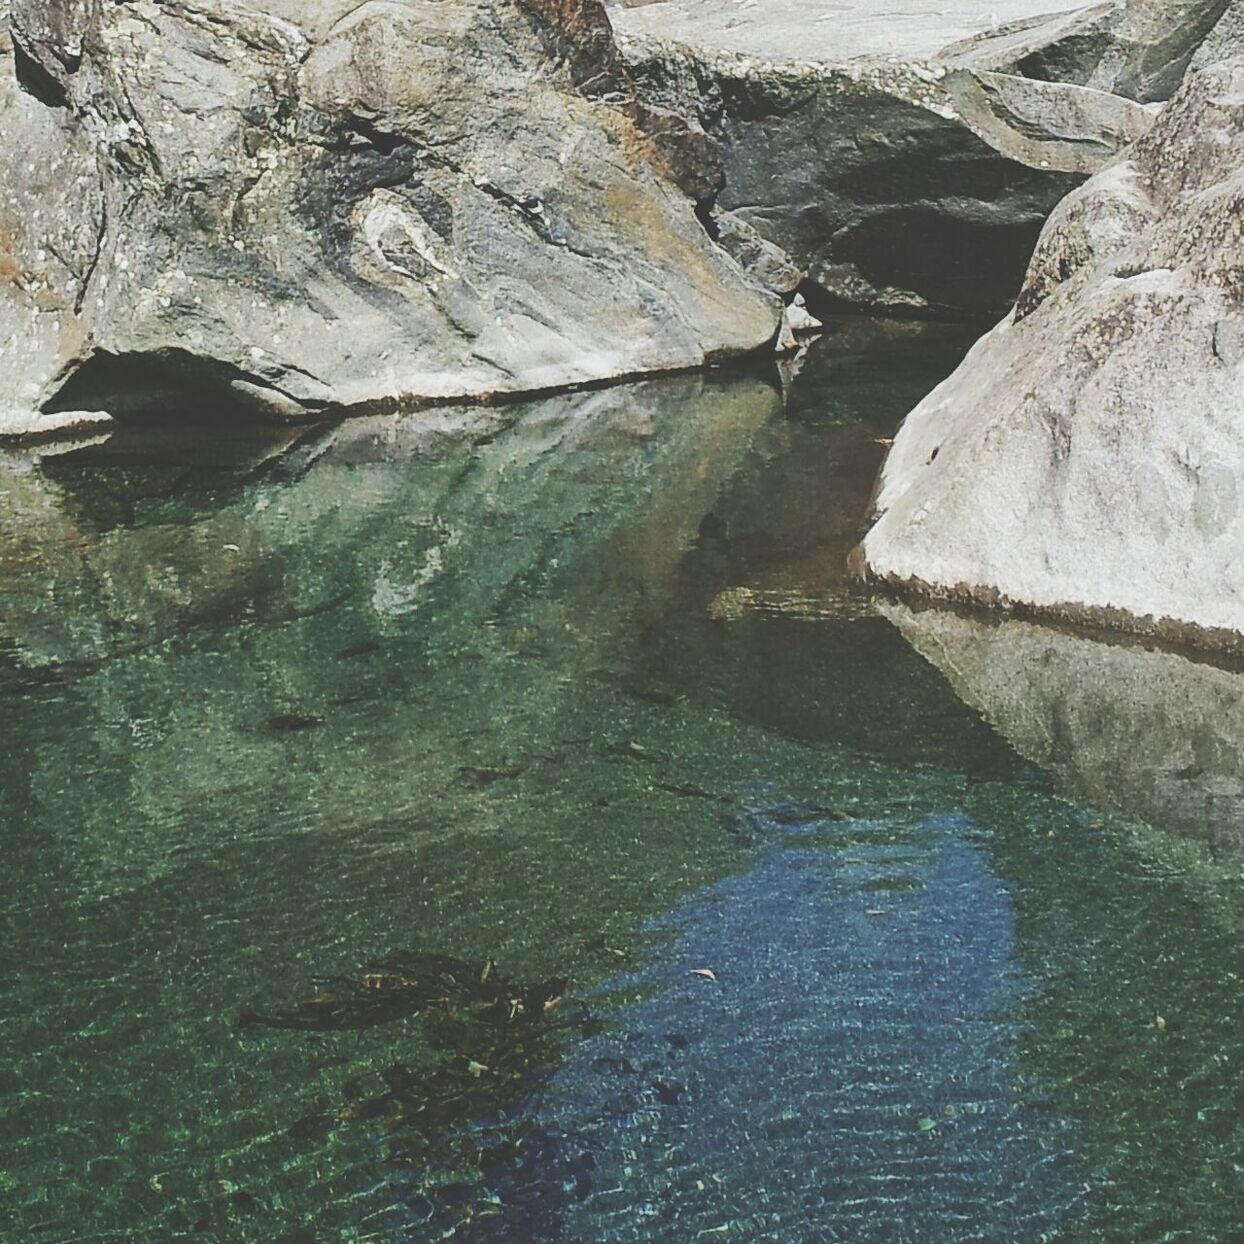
(1137, 48)
(1149, 734)
(824, 31)
(50, 209)
(842, 146)
(1052, 125)
(1225, 40)
(303, 207)
(1087, 458)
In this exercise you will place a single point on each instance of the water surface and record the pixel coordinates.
(877, 924)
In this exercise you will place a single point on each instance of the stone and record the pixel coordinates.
(1137, 48)
(842, 146)
(1049, 125)
(1086, 459)
(1225, 40)
(299, 208)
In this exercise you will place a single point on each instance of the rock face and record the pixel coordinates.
(1088, 456)
(299, 207)
(1225, 40)
(1140, 49)
(1049, 125)
(845, 145)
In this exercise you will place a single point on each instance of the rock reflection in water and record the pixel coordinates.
(1150, 734)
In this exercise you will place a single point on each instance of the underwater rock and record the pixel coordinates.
(1086, 459)
(289, 209)
(408, 984)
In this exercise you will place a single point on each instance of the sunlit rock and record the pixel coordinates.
(303, 207)
(1087, 457)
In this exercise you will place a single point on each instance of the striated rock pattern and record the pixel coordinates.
(1139, 49)
(295, 207)
(1087, 458)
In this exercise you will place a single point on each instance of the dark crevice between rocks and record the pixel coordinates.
(383, 141)
(960, 268)
(35, 80)
(169, 386)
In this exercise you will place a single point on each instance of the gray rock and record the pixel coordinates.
(1051, 125)
(300, 207)
(1225, 40)
(1137, 48)
(862, 172)
(825, 31)
(1087, 459)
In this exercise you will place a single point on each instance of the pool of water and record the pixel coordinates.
(514, 825)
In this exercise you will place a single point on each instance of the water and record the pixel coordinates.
(878, 924)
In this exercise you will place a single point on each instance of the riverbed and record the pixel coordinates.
(761, 909)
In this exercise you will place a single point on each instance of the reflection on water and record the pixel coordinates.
(1150, 734)
(864, 934)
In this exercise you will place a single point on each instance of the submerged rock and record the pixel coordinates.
(1086, 459)
(299, 207)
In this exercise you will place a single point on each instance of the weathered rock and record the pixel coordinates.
(299, 207)
(1088, 457)
(842, 146)
(1225, 40)
(1137, 48)
(1054, 125)
(860, 176)
(50, 212)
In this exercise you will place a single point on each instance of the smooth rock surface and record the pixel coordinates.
(1088, 456)
(830, 31)
(1054, 125)
(299, 207)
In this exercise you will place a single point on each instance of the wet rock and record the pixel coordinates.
(1086, 459)
(293, 208)
(408, 984)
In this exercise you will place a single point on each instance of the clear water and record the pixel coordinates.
(879, 925)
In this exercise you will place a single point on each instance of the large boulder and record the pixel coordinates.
(847, 142)
(1140, 49)
(299, 207)
(1087, 459)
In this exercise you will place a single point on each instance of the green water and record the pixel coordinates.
(582, 688)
